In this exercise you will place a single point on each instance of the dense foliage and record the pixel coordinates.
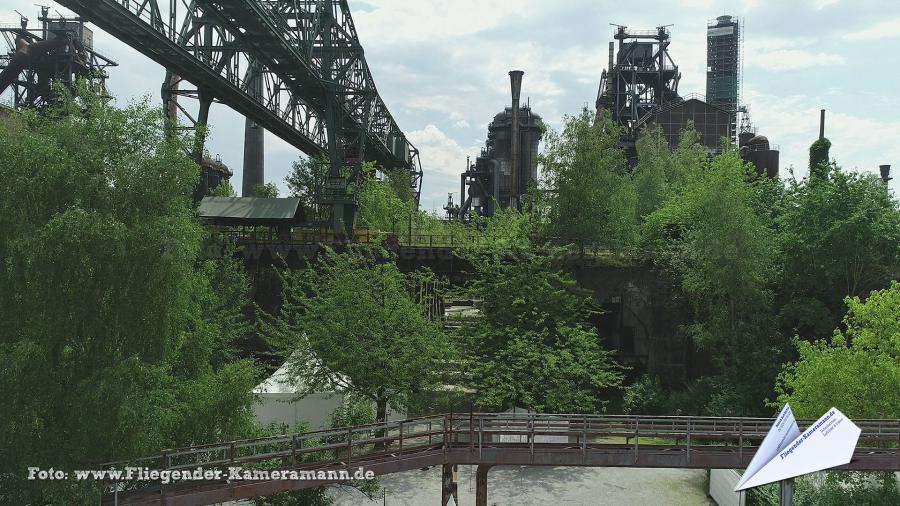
(591, 201)
(116, 340)
(531, 345)
(839, 236)
(348, 323)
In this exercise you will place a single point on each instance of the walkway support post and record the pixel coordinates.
(786, 492)
(448, 484)
(481, 484)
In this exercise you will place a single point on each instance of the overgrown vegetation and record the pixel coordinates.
(117, 341)
(348, 323)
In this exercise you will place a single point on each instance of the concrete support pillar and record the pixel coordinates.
(254, 158)
(481, 482)
(449, 484)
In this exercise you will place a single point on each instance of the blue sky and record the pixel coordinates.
(441, 67)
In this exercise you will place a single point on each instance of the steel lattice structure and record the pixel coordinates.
(295, 67)
(641, 78)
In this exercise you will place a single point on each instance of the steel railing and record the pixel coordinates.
(403, 444)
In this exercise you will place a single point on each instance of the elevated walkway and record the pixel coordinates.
(481, 439)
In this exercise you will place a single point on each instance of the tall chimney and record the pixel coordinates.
(254, 142)
(885, 173)
(515, 82)
(822, 124)
(612, 49)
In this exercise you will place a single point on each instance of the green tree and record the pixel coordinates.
(268, 191)
(839, 237)
(349, 323)
(306, 181)
(719, 253)
(223, 189)
(652, 172)
(531, 345)
(858, 372)
(661, 173)
(380, 208)
(590, 196)
(819, 163)
(116, 339)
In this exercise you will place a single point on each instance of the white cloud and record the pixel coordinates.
(793, 123)
(884, 30)
(822, 4)
(794, 59)
(462, 124)
(403, 22)
(780, 54)
(440, 154)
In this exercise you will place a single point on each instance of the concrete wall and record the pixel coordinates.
(721, 487)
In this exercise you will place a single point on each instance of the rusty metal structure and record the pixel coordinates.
(640, 78)
(59, 52)
(481, 439)
(507, 164)
(296, 69)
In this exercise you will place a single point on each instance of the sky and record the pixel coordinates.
(441, 67)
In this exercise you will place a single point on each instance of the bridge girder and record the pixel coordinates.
(317, 90)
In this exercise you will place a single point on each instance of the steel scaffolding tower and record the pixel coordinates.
(723, 49)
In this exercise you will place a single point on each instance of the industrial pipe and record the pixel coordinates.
(515, 82)
(822, 124)
(885, 173)
(24, 56)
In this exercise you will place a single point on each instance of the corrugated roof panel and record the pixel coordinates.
(250, 208)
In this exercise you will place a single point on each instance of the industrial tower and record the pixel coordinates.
(723, 66)
(641, 78)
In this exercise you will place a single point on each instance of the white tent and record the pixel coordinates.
(278, 402)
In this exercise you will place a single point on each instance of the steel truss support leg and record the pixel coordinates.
(481, 483)
(206, 99)
(449, 485)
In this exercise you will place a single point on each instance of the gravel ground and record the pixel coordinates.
(557, 486)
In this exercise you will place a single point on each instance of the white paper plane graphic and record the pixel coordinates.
(786, 452)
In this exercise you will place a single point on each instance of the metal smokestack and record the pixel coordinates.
(515, 82)
(822, 124)
(612, 49)
(885, 173)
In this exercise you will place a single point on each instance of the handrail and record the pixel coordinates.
(516, 424)
(446, 438)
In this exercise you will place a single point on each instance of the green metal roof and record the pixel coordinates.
(249, 208)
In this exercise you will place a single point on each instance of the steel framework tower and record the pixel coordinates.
(59, 52)
(641, 79)
(723, 49)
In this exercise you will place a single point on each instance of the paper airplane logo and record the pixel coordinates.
(786, 452)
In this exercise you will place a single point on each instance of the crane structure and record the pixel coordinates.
(293, 67)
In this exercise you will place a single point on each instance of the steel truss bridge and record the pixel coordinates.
(484, 440)
(295, 67)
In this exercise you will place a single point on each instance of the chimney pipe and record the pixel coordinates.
(612, 49)
(822, 124)
(515, 82)
(254, 140)
(885, 173)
